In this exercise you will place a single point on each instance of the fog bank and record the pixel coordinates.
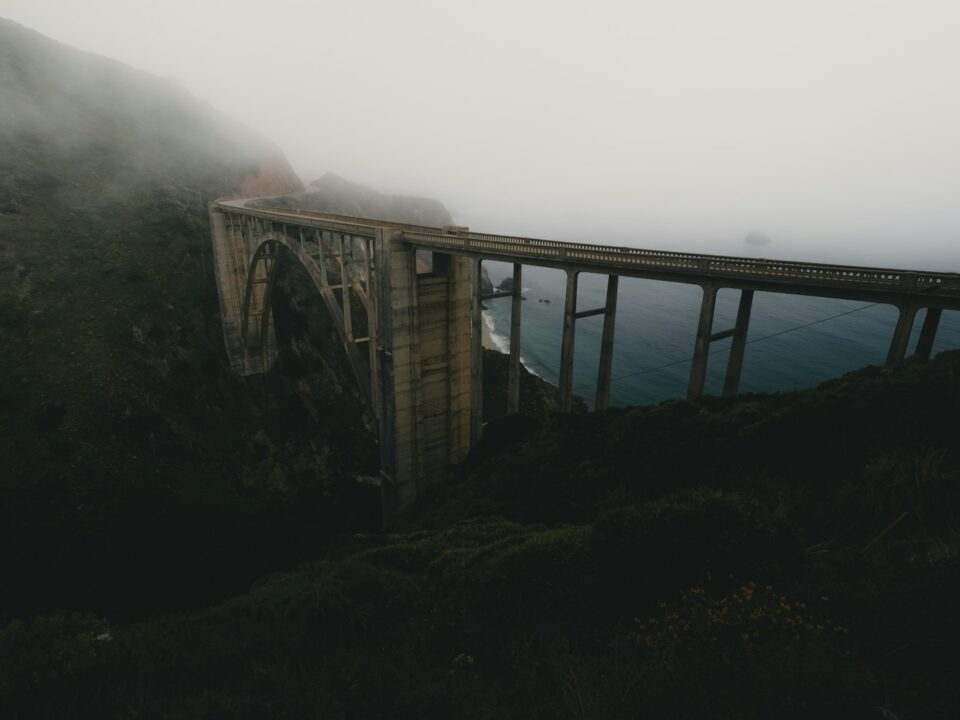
(829, 125)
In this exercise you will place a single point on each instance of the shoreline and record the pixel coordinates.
(498, 343)
(488, 343)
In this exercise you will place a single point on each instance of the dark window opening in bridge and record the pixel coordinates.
(433, 263)
(442, 263)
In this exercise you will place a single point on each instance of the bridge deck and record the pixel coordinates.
(890, 285)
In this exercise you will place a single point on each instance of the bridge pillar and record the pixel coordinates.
(476, 352)
(567, 342)
(513, 374)
(424, 325)
(901, 335)
(928, 333)
(701, 348)
(731, 384)
(396, 298)
(605, 371)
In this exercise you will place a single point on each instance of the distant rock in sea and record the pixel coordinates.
(756, 238)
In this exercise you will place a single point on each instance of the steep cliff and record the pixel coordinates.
(137, 470)
(334, 194)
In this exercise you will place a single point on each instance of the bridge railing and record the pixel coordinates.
(606, 257)
(627, 258)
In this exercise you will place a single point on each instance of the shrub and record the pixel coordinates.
(750, 652)
(658, 547)
(52, 661)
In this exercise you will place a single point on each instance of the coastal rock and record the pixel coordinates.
(538, 398)
(756, 238)
(486, 285)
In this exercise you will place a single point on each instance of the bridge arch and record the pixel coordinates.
(337, 287)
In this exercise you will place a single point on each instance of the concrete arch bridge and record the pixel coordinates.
(413, 337)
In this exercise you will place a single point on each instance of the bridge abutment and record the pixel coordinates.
(426, 330)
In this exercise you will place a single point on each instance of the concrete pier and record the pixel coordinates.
(731, 383)
(513, 372)
(701, 347)
(567, 343)
(901, 335)
(928, 333)
(605, 369)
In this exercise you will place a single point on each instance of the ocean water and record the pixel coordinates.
(656, 327)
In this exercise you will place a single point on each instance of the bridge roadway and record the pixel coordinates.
(848, 282)
(411, 313)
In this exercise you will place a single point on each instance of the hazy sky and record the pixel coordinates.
(683, 121)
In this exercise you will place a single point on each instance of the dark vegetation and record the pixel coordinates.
(179, 542)
(137, 472)
(538, 398)
(779, 556)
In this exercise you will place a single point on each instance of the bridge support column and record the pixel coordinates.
(901, 336)
(701, 348)
(373, 329)
(399, 424)
(567, 344)
(928, 333)
(513, 375)
(731, 384)
(345, 291)
(605, 371)
(425, 367)
(476, 354)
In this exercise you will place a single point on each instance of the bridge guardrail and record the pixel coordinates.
(758, 268)
(611, 257)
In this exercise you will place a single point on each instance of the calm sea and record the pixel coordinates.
(656, 326)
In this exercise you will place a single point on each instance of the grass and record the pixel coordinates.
(731, 581)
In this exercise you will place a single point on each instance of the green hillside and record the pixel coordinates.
(137, 470)
(783, 556)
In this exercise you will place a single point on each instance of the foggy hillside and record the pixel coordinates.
(138, 471)
(127, 443)
(85, 128)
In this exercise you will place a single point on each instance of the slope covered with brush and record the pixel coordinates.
(782, 556)
(137, 471)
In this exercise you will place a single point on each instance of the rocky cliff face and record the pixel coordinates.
(272, 176)
(333, 194)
